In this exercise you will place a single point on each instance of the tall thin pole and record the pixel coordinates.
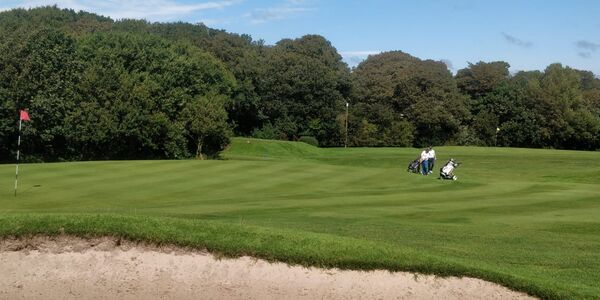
(496, 137)
(18, 154)
(346, 141)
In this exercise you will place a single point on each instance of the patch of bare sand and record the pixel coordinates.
(106, 268)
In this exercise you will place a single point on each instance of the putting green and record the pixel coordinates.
(525, 218)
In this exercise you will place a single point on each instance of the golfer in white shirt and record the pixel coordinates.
(425, 161)
(431, 158)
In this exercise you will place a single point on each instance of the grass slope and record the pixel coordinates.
(528, 219)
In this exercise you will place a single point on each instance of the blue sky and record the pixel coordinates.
(529, 34)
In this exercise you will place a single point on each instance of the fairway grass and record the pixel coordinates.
(527, 219)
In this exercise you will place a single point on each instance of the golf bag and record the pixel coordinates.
(447, 171)
(413, 166)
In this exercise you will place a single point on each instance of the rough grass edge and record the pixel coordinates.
(235, 240)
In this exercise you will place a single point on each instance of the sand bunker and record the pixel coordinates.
(105, 268)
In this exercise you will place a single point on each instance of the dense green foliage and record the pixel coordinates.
(103, 89)
(556, 108)
(401, 100)
(107, 95)
(304, 88)
(524, 218)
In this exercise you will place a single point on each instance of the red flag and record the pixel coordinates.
(24, 116)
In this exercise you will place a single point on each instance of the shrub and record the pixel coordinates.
(311, 140)
(267, 132)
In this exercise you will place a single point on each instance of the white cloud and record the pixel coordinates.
(359, 53)
(586, 48)
(296, 2)
(448, 63)
(274, 13)
(517, 41)
(587, 45)
(134, 9)
(353, 58)
(282, 11)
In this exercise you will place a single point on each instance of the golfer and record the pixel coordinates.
(431, 158)
(425, 161)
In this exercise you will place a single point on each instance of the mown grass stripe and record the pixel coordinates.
(513, 216)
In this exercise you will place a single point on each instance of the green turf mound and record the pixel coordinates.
(246, 148)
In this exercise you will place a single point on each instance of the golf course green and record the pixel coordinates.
(528, 219)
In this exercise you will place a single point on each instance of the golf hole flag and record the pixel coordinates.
(24, 116)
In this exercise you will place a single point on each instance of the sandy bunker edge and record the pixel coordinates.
(188, 273)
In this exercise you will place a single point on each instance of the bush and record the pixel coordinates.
(267, 132)
(311, 140)
(465, 137)
(399, 134)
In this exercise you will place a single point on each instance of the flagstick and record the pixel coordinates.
(18, 152)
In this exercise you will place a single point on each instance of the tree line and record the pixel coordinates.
(130, 89)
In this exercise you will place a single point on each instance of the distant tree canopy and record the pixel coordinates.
(303, 89)
(106, 95)
(402, 100)
(481, 78)
(550, 109)
(131, 89)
